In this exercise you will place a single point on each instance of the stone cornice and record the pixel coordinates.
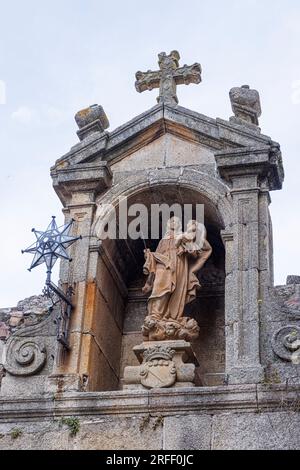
(222, 399)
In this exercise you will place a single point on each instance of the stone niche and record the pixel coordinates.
(121, 306)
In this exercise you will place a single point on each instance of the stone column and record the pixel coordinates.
(248, 270)
(77, 187)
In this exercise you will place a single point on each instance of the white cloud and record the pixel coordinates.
(24, 115)
(46, 115)
(55, 115)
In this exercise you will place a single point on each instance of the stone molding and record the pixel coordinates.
(213, 189)
(221, 399)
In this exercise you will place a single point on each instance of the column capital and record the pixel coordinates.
(86, 178)
(251, 166)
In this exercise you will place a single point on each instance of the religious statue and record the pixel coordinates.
(172, 281)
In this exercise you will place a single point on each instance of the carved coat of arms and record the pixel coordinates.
(158, 370)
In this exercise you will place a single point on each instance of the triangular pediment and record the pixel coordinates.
(150, 129)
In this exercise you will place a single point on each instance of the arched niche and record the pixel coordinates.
(120, 279)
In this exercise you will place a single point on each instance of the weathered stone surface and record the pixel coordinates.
(286, 343)
(292, 280)
(239, 417)
(187, 432)
(163, 364)
(18, 386)
(167, 150)
(92, 121)
(4, 330)
(27, 312)
(265, 161)
(168, 154)
(169, 75)
(94, 433)
(245, 105)
(261, 431)
(159, 120)
(136, 311)
(88, 178)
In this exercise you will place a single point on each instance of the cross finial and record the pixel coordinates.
(168, 77)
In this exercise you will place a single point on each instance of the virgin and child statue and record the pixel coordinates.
(172, 281)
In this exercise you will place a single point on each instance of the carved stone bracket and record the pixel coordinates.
(286, 343)
(163, 365)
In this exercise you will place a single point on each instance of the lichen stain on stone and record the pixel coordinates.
(90, 297)
(83, 113)
(62, 165)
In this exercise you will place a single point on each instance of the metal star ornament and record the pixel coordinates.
(51, 245)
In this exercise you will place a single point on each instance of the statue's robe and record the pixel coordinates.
(175, 281)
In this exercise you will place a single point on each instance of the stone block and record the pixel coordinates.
(128, 358)
(245, 374)
(192, 432)
(102, 375)
(110, 291)
(135, 433)
(23, 386)
(135, 314)
(260, 431)
(107, 333)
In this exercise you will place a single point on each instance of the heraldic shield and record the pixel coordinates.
(158, 370)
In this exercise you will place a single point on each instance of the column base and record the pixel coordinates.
(58, 383)
(246, 375)
(163, 364)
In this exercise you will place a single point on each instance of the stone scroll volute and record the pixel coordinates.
(286, 343)
(26, 350)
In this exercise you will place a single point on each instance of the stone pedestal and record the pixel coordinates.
(162, 364)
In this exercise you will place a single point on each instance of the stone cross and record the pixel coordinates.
(169, 75)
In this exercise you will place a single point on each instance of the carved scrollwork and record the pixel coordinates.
(286, 343)
(24, 357)
(25, 351)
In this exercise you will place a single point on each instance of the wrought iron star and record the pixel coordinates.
(51, 244)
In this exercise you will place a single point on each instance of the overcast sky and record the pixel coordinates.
(59, 56)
